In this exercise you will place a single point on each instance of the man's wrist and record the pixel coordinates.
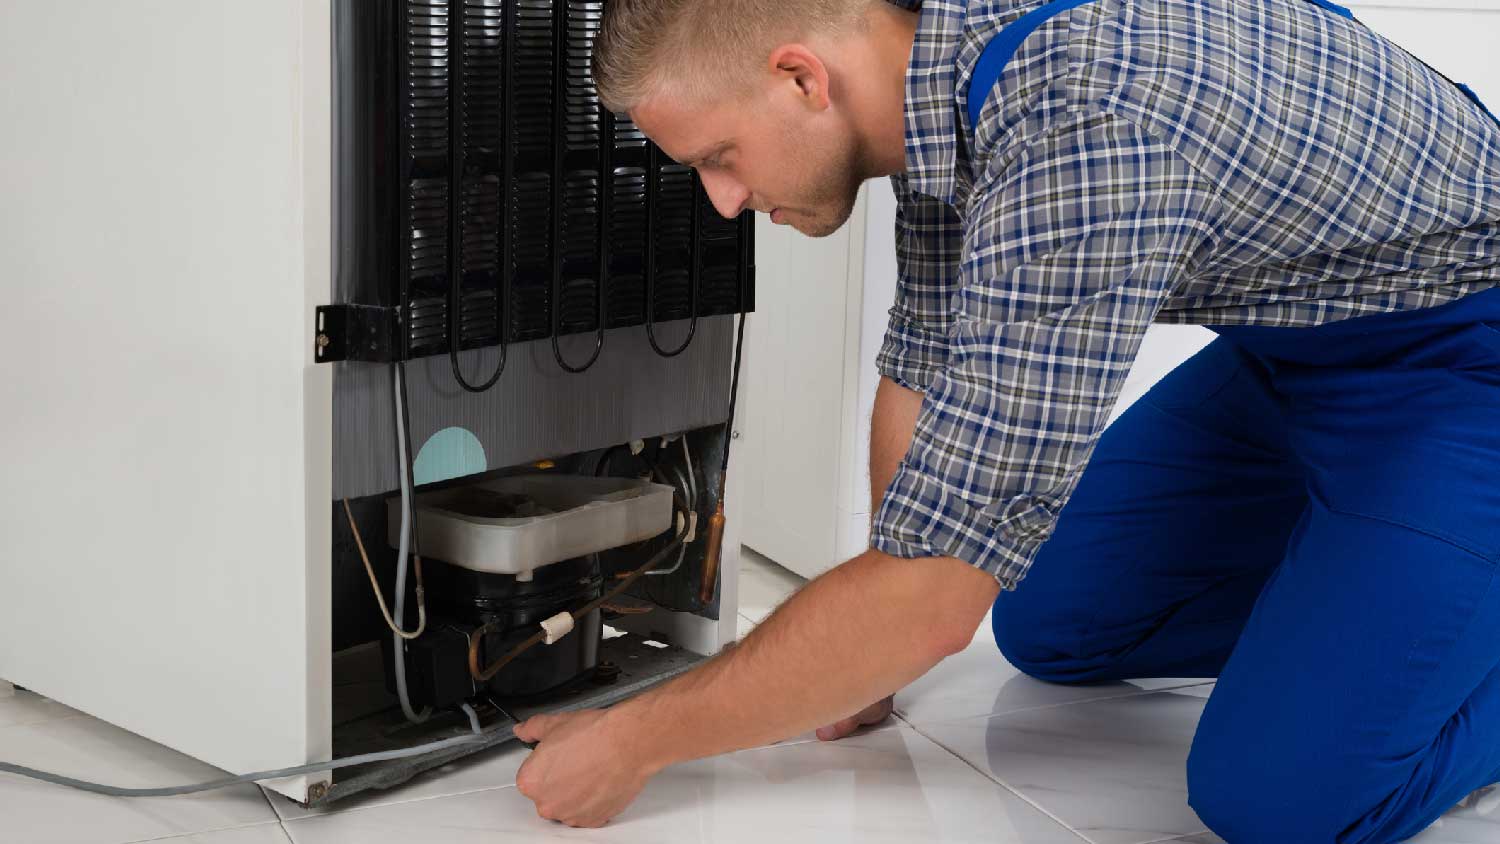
(636, 729)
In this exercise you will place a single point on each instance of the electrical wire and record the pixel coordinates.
(312, 768)
(473, 717)
(734, 393)
(690, 507)
(687, 457)
(408, 534)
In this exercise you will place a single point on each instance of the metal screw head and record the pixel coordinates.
(324, 341)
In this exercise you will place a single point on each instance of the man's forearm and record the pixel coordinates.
(856, 634)
(891, 426)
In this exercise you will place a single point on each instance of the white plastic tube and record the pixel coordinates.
(403, 552)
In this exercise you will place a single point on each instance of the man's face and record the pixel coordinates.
(767, 152)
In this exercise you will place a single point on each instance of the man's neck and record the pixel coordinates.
(891, 33)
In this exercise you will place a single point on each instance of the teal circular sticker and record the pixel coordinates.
(450, 453)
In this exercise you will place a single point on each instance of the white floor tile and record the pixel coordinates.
(489, 769)
(83, 747)
(764, 585)
(23, 707)
(891, 785)
(978, 681)
(1477, 824)
(268, 833)
(1113, 770)
(1203, 690)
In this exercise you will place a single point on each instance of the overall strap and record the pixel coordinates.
(997, 54)
(1002, 47)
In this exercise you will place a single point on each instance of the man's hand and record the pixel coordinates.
(869, 716)
(581, 772)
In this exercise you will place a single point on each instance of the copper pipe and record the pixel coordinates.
(712, 552)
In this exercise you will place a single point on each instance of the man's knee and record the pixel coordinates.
(1246, 792)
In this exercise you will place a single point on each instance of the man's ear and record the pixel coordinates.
(796, 69)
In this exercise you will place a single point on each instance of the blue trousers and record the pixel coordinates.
(1313, 517)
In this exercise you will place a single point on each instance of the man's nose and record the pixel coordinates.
(726, 193)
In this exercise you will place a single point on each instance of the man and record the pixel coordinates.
(1308, 510)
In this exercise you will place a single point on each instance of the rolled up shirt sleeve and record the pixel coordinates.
(929, 250)
(1070, 251)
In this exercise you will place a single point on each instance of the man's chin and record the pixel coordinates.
(820, 226)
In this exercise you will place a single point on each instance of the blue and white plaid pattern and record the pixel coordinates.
(1215, 162)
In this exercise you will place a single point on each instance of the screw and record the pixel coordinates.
(606, 673)
(324, 341)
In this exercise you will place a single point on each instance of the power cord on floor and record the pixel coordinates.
(312, 768)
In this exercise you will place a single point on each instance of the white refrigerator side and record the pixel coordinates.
(164, 507)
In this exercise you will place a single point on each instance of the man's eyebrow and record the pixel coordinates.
(692, 160)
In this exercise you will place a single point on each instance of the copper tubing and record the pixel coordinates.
(484, 675)
(375, 584)
(476, 639)
(711, 553)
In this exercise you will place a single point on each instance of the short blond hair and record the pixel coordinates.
(702, 47)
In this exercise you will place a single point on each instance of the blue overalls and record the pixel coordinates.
(1311, 515)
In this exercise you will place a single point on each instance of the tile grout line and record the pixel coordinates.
(1204, 831)
(1023, 798)
(1137, 693)
(178, 835)
(265, 794)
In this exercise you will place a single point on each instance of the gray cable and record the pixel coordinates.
(315, 767)
(399, 651)
(687, 456)
(473, 717)
(687, 490)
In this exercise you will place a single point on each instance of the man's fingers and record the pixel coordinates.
(875, 712)
(838, 730)
(534, 729)
(869, 716)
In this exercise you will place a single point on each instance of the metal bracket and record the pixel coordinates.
(355, 332)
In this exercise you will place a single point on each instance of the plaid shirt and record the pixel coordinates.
(1216, 162)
